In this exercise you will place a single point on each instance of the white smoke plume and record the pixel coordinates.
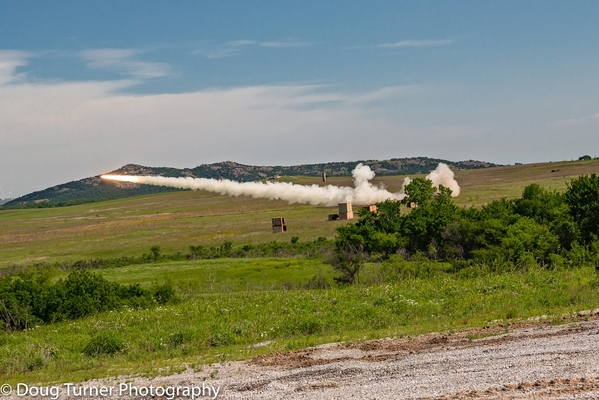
(442, 175)
(363, 192)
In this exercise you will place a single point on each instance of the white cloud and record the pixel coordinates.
(389, 92)
(231, 48)
(216, 51)
(241, 42)
(417, 43)
(56, 132)
(284, 44)
(124, 61)
(589, 119)
(9, 61)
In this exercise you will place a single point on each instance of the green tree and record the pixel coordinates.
(582, 197)
(349, 262)
(424, 227)
(419, 191)
(529, 238)
(550, 209)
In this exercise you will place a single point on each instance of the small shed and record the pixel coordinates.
(278, 225)
(345, 211)
(371, 208)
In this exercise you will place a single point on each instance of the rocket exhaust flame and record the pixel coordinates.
(123, 178)
(362, 193)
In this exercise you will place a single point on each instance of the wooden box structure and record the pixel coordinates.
(278, 225)
(371, 208)
(345, 211)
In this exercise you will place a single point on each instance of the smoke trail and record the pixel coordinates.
(362, 193)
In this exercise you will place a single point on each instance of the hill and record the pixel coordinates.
(94, 189)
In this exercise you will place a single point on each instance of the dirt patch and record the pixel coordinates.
(541, 389)
(385, 349)
(532, 359)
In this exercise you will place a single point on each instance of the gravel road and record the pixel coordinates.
(532, 360)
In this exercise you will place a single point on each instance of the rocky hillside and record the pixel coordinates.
(95, 189)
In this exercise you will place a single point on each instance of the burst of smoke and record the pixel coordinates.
(362, 193)
(442, 175)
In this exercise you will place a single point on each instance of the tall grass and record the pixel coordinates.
(227, 325)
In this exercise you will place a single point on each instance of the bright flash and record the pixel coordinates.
(121, 178)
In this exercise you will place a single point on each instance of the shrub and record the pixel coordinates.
(156, 252)
(179, 338)
(220, 336)
(29, 299)
(165, 294)
(83, 293)
(106, 342)
(318, 281)
(35, 363)
(349, 262)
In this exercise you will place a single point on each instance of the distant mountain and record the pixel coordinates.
(95, 189)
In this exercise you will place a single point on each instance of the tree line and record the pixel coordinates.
(545, 228)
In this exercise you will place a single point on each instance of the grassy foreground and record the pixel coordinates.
(227, 325)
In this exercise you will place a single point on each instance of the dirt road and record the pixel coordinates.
(529, 360)
(534, 360)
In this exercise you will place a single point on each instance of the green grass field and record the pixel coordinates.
(210, 327)
(222, 275)
(131, 226)
(230, 305)
(175, 221)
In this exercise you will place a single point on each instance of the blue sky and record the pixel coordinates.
(86, 87)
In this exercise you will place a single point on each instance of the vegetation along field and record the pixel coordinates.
(159, 283)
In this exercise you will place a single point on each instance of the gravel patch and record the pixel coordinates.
(534, 360)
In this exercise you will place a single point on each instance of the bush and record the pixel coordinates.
(165, 294)
(349, 262)
(318, 281)
(541, 227)
(220, 336)
(29, 299)
(179, 338)
(35, 363)
(83, 293)
(107, 342)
